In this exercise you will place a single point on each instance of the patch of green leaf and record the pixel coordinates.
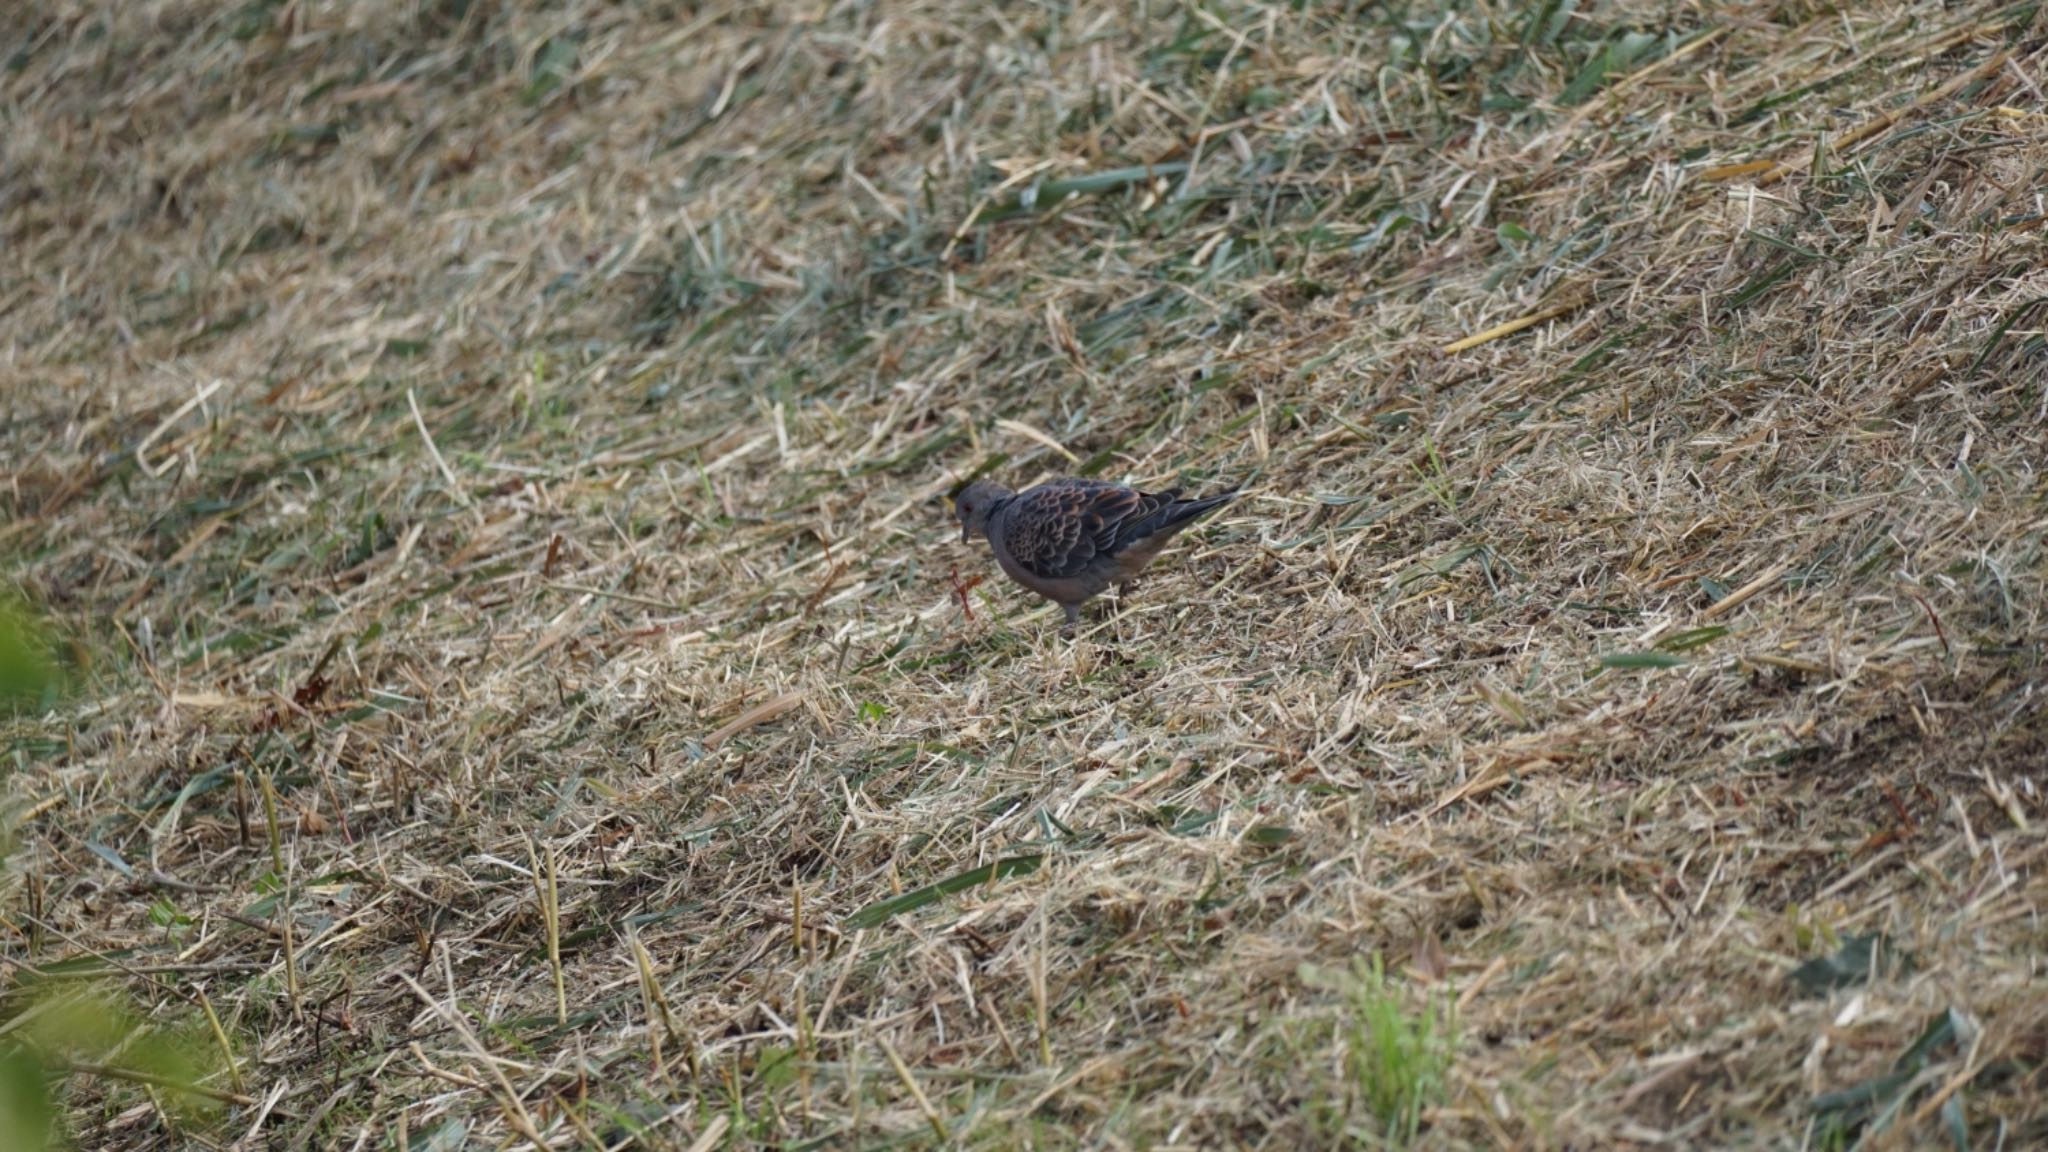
(1770, 278)
(1600, 354)
(26, 1115)
(1857, 960)
(112, 857)
(1397, 1060)
(880, 911)
(1638, 660)
(451, 1136)
(93, 1031)
(552, 67)
(1786, 246)
(253, 19)
(1692, 638)
(1045, 195)
(1998, 334)
(1617, 57)
(930, 446)
(1545, 22)
(1182, 821)
(1848, 1118)
(1443, 565)
(28, 678)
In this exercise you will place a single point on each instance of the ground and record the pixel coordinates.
(478, 475)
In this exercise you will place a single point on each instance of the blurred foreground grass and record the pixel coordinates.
(91, 1030)
(27, 677)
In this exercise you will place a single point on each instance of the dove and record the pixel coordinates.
(1068, 539)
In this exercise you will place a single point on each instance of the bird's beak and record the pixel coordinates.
(966, 533)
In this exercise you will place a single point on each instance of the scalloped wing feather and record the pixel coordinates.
(1062, 528)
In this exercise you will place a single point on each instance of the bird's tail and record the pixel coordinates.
(1181, 513)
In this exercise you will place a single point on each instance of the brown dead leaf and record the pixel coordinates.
(758, 714)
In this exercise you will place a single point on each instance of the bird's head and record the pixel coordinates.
(974, 505)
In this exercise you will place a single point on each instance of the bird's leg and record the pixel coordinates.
(1073, 619)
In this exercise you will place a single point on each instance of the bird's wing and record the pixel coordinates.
(1058, 529)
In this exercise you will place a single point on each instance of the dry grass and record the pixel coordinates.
(460, 443)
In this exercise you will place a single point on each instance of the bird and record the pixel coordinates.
(1069, 538)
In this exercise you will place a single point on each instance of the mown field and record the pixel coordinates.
(494, 665)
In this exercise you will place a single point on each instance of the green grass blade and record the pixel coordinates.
(880, 911)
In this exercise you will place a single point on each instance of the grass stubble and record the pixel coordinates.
(481, 471)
